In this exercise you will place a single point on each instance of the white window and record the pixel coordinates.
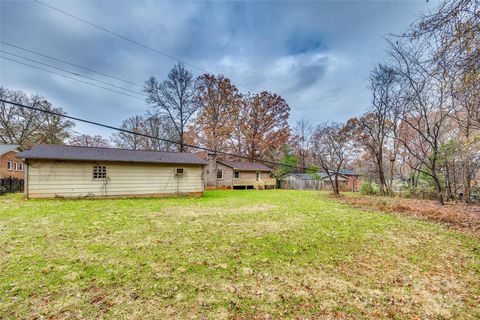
(20, 166)
(99, 172)
(219, 174)
(9, 165)
(179, 171)
(15, 166)
(236, 174)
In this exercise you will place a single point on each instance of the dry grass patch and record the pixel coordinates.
(456, 215)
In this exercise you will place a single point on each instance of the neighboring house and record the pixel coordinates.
(223, 174)
(10, 165)
(354, 179)
(348, 180)
(68, 171)
(301, 181)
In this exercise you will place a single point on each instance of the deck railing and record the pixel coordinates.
(260, 183)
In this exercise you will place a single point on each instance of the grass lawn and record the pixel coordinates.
(231, 254)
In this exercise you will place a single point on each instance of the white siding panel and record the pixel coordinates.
(48, 179)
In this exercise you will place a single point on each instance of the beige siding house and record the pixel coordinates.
(80, 172)
(224, 174)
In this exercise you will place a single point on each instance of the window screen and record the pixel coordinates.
(99, 172)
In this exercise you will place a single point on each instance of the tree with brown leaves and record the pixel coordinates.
(265, 124)
(218, 99)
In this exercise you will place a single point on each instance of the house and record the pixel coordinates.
(70, 171)
(224, 174)
(10, 165)
(348, 180)
(354, 179)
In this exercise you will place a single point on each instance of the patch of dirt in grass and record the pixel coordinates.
(203, 211)
(456, 215)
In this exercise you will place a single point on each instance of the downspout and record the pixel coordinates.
(26, 179)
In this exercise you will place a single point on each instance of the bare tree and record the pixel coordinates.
(301, 141)
(330, 146)
(130, 140)
(426, 106)
(172, 99)
(28, 127)
(375, 128)
(160, 129)
(455, 27)
(86, 140)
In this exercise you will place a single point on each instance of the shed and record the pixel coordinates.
(301, 181)
(71, 171)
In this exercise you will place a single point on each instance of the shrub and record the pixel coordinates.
(369, 188)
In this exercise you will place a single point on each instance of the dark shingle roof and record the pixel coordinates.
(57, 152)
(4, 148)
(348, 172)
(245, 166)
(304, 176)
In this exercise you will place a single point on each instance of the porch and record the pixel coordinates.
(260, 183)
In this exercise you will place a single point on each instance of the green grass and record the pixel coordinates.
(230, 254)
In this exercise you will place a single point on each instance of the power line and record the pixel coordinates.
(120, 36)
(145, 135)
(70, 63)
(147, 47)
(71, 72)
(71, 78)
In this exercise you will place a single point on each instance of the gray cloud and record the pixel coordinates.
(316, 54)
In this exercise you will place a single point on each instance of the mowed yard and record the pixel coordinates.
(231, 254)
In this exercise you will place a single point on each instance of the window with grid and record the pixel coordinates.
(219, 174)
(99, 172)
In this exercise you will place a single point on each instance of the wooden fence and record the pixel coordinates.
(11, 185)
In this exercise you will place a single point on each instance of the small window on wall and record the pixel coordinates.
(236, 174)
(219, 174)
(99, 172)
(20, 165)
(9, 165)
(15, 166)
(179, 171)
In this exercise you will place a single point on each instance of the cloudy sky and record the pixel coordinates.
(317, 55)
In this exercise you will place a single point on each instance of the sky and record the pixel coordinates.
(317, 55)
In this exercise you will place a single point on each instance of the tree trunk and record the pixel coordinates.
(438, 189)
(467, 182)
(337, 191)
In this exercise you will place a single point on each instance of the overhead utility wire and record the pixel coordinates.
(146, 135)
(146, 46)
(71, 78)
(71, 72)
(120, 36)
(72, 64)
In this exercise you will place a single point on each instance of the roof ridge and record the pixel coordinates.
(111, 148)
